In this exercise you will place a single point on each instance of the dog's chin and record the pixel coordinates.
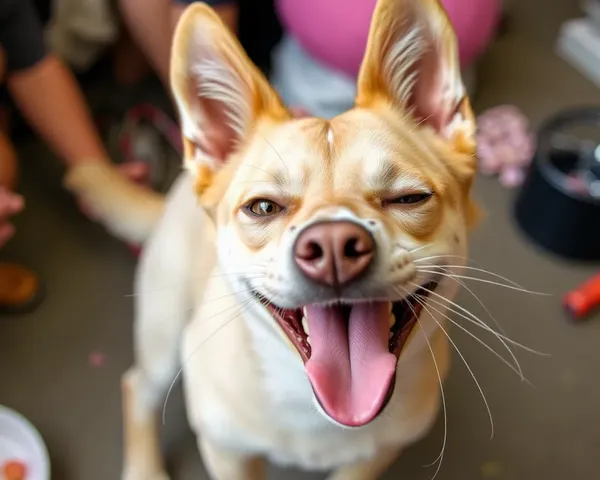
(350, 350)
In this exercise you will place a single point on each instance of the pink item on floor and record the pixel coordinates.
(96, 359)
(505, 144)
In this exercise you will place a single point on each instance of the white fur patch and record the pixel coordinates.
(330, 138)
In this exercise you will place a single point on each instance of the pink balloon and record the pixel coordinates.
(335, 32)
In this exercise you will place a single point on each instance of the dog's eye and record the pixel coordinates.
(264, 208)
(411, 199)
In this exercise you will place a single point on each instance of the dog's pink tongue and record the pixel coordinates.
(350, 367)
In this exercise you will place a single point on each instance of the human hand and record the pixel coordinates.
(10, 204)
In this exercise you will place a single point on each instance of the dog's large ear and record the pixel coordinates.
(411, 62)
(220, 94)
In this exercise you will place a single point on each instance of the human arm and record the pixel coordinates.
(152, 24)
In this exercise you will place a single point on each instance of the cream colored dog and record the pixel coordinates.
(288, 275)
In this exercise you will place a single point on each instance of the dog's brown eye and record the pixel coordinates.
(264, 208)
(411, 199)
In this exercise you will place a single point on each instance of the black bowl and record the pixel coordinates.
(558, 206)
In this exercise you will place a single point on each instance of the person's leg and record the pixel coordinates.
(19, 287)
(8, 158)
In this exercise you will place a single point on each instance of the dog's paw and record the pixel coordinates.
(143, 475)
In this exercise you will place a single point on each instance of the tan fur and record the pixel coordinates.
(246, 394)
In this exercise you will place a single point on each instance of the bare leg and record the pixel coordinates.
(8, 156)
(8, 163)
(222, 465)
(19, 287)
(370, 470)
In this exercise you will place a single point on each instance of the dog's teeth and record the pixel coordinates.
(390, 306)
(304, 312)
(305, 325)
(392, 320)
(308, 340)
(391, 335)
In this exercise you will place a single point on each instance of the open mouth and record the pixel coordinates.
(350, 351)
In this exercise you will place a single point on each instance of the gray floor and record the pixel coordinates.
(550, 431)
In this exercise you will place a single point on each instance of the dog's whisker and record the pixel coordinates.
(278, 156)
(240, 312)
(470, 290)
(440, 458)
(247, 165)
(479, 323)
(422, 121)
(487, 406)
(168, 316)
(251, 275)
(248, 301)
(501, 338)
(483, 280)
(475, 269)
(516, 370)
(422, 247)
(475, 319)
(227, 295)
(253, 181)
(434, 257)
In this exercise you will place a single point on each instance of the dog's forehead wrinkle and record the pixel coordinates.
(388, 174)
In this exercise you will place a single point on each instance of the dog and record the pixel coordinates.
(293, 275)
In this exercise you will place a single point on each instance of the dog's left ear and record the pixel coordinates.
(220, 94)
(411, 62)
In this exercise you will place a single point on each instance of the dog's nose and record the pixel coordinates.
(334, 253)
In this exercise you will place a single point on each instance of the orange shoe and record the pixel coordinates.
(20, 289)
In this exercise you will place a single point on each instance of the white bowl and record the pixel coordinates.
(19, 440)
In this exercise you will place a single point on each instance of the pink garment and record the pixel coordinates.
(335, 32)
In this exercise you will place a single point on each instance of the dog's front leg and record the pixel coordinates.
(142, 455)
(369, 470)
(227, 465)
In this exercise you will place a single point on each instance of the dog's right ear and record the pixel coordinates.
(220, 94)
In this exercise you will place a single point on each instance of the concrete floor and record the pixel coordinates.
(550, 431)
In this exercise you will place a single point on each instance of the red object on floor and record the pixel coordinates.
(582, 300)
